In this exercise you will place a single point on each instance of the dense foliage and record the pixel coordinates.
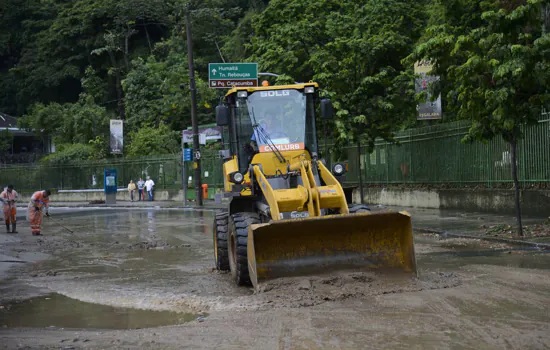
(353, 49)
(495, 60)
(150, 141)
(5, 140)
(67, 67)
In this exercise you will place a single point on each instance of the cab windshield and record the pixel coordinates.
(281, 115)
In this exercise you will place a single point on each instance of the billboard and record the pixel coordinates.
(209, 133)
(427, 110)
(117, 138)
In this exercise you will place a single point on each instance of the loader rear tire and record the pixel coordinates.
(238, 246)
(358, 208)
(221, 227)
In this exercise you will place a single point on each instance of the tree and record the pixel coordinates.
(6, 139)
(44, 120)
(498, 71)
(67, 153)
(116, 69)
(154, 96)
(354, 50)
(149, 141)
(235, 47)
(67, 123)
(52, 42)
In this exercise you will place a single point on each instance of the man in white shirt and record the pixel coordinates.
(149, 187)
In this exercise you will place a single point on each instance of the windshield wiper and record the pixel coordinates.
(263, 134)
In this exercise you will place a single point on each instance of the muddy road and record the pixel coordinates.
(144, 278)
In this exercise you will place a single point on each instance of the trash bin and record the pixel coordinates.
(205, 191)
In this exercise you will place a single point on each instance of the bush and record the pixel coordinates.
(150, 141)
(69, 152)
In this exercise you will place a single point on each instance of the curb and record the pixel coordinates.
(541, 246)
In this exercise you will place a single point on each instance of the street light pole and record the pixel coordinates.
(193, 88)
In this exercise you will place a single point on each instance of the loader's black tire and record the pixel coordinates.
(221, 228)
(358, 208)
(238, 246)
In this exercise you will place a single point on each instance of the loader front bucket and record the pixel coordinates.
(355, 242)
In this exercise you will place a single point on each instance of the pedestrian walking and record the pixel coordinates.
(8, 197)
(140, 185)
(131, 189)
(39, 202)
(149, 184)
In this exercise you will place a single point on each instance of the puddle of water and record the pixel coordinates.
(63, 312)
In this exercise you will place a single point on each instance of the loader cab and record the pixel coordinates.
(262, 118)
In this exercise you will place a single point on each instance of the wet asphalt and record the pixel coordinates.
(140, 268)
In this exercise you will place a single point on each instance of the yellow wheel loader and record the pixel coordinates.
(288, 214)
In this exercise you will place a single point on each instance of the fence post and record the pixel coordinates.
(387, 164)
(488, 167)
(459, 165)
(411, 157)
(360, 170)
(523, 176)
(122, 174)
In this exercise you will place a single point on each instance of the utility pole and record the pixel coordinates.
(193, 88)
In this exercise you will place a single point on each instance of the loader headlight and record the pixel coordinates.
(309, 89)
(338, 169)
(242, 94)
(236, 177)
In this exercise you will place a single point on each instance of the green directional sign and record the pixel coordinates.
(227, 75)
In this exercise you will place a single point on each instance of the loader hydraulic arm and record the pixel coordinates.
(309, 196)
(283, 200)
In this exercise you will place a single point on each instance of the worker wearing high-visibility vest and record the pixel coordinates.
(8, 197)
(39, 202)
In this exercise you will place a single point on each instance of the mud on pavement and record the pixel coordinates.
(466, 294)
(158, 265)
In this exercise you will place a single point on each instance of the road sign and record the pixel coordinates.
(227, 75)
(187, 154)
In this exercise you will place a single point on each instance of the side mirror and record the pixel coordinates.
(327, 110)
(222, 115)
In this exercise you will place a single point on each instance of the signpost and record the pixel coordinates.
(187, 154)
(187, 157)
(227, 75)
(206, 133)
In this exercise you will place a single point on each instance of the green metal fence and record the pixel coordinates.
(165, 171)
(430, 155)
(436, 155)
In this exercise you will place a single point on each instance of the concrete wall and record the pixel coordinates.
(87, 196)
(159, 195)
(533, 202)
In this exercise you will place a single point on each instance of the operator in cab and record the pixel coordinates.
(267, 126)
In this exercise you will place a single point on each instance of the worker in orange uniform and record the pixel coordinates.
(8, 198)
(39, 202)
